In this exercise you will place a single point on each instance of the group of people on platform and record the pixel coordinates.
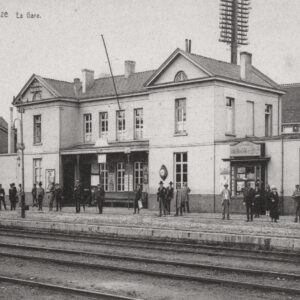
(166, 195)
(14, 195)
(257, 200)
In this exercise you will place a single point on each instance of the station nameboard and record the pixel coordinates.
(245, 149)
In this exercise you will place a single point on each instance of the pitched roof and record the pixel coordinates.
(137, 82)
(103, 87)
(3, 123)
(65, 88)
(291, 103)
(231, 71)
(133, 84)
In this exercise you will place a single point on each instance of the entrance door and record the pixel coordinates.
(68, 174)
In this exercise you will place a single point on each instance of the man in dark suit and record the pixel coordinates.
(249, 197)
(2, 197)
(161, 198)
(169, 196)
(77, 195)
(100, 196)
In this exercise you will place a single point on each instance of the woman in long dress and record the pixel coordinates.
(273, 204)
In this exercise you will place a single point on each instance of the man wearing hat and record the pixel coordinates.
(100, 196)
(161, 197)
(169, 196)
(12, 196)
(226, 197)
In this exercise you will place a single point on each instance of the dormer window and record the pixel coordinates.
(180, 76)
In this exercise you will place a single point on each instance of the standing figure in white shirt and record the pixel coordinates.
(226, 197)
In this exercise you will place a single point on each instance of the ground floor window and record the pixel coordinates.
(104, 176)
(243, 174)
(181, 169)
(120, 177)
(37, 170)
(138, 173)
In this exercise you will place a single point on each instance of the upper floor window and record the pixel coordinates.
(180, 76)
(103, 124)
(250, 118)
(37, 129)
(87, 118)
(180, 115)
(230, 115)
(121, 125)
(138, 123)
(268, 120)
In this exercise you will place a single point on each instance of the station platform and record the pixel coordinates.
(205, 228)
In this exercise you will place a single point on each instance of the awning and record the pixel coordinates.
(113, 147)
(247, 159)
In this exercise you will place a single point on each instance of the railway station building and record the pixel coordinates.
(194, 120)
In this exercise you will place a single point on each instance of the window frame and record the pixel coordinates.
(230, 106)
(36, 122)
(180, 112)
(181, 163)
(253, 119)
(103, 169)
(180, 76)
(122, 177)
(138, 168)
(121, 134)
(35, 168)
(103, 121)
(138, 132)
(87, 124)
(269, 115)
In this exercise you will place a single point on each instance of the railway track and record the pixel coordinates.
(148, 267)
(171, 246)
(64, 289)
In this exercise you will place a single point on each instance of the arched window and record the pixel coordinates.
(180, 76)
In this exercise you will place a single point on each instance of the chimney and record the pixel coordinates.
(87, 79)
(77, 86)
(188, 45)
(129, 68)
(11, 133)
(245, 65)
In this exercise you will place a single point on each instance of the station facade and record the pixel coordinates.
(194, 120)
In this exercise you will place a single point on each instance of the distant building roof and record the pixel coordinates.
(291, 103)
(3, 123)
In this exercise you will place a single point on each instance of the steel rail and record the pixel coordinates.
(160, 274)
(96, 240)
(64, 289)
(152, 261)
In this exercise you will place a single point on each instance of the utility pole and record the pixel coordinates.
(21, 147)
(234, 16)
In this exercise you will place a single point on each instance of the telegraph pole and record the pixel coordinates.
(234, 17)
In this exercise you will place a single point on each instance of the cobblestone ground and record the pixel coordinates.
(206, 222)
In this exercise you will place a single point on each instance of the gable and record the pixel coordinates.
(36, 89)
(180, 63)
(35, 92)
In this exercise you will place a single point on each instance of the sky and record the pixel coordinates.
(67, 37)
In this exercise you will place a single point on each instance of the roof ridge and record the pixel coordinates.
(290, 84)
(122, 75)
(210, 58)
(47, 78)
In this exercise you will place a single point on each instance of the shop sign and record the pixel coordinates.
(101, 158)
(245, 149)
